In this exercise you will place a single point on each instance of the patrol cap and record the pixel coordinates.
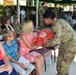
(15, 16)
(49, 14)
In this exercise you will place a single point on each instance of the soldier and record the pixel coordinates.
(17, 26)
(41, 12)
(67, 38)
(55, 10)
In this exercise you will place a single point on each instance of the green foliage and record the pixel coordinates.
(2, 12)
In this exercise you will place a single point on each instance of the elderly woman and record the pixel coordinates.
(11, 47)
(26, 46)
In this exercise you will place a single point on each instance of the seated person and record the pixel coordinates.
(11, 48)
(26, 46)
(5, 67)
(6, 24)
(17, 26)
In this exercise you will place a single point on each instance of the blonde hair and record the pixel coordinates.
(26, 26)
(7, 33)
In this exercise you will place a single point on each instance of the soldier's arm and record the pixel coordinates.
(57, 28)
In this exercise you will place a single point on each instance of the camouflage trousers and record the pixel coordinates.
(65, 58)
(41, 22)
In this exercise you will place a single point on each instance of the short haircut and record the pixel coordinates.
(27, 24)
(7, 33)
(42, 3)
(49, 14)
(5, 19)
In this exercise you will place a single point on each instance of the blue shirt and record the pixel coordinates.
(12, 49)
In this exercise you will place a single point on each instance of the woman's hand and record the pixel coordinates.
(22, 65)
(46, 43)
(8, 68)
(35, 47)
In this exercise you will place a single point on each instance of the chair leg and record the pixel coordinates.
(33, 72)
(45, 64)
(54, 56)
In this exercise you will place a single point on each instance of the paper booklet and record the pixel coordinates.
(24, 60)
(29, 66)
(1, 66)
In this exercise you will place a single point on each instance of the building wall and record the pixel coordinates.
(1, 1)
(9, 2)
(13, 2)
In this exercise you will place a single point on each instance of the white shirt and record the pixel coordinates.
(23, 13)
(10, 27)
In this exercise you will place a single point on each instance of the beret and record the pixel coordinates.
(49, 14)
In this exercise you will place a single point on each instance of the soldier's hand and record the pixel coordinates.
(47, 43)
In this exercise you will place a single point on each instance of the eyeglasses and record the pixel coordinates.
(12, 36)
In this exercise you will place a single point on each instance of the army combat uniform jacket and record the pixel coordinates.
(67, 38)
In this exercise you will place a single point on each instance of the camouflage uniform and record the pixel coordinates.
(67, 38)
(41, 12)
(17, 27)
(55, 10)
(0, 29)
